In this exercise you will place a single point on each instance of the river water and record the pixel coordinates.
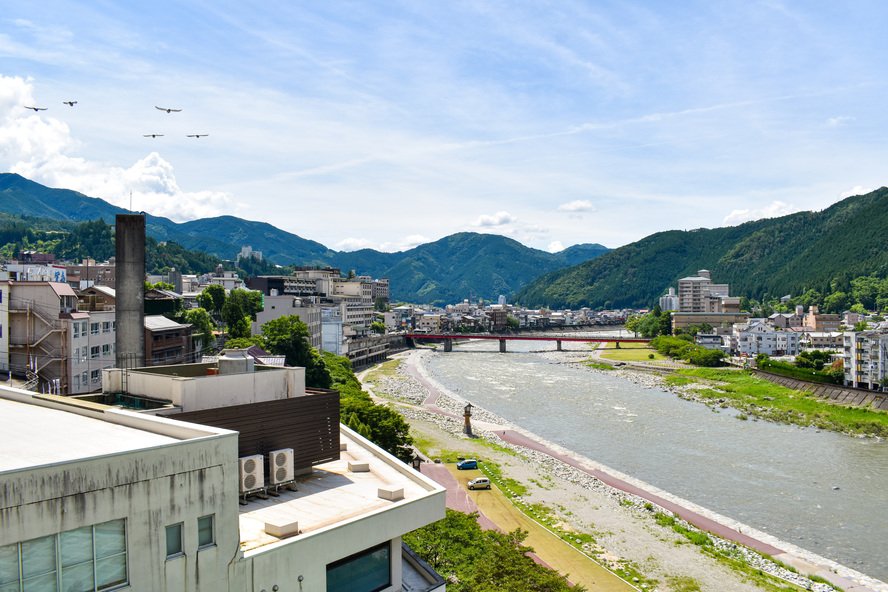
(822, 491)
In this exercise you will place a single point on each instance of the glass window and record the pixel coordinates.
(9, 567)
(76, 330)
(96, 376)
(106, 326)
(76, 381)
(94, 329)
(76, 354)
(106, 349)
(94, 352)
(84, 379)
(174, 540)
(206, 535)
(83, 326)
(367, 571)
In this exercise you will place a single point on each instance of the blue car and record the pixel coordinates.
(469, 463)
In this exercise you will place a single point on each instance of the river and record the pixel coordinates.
(822, 491)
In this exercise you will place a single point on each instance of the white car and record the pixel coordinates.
(479, 483)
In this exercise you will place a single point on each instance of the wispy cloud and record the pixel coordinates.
(773, 210)
(837, 121)
(856, 190)
(578, 205)
(555, 247)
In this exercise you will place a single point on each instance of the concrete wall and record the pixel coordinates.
(151, 489)
(210, 392)
(130, 296)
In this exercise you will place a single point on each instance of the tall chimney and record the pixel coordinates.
(130, 297)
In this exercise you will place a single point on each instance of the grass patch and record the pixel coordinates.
(773, 402)
(625, 345)
(633, 355)
(683, 584)
(599, 366)
(510, 487)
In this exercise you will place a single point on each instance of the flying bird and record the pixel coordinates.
(197, 135)
(69, 103)
(167, 110)
(152, 135)
(36, 109)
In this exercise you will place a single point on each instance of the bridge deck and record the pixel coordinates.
(526, 338)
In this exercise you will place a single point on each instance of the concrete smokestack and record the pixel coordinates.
(130, 305)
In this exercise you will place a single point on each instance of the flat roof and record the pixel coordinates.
(33, 435)
(332, 494)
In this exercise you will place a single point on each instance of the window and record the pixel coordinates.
(174, 540)
(76, 382)
(114, 326)
(367, 571)
(88, 558)
(206, 532)
(96, 376)
(106, 327)
(94, 352)
(76, 354)
(84, 379)
(94, 329)
(76, 330)
(83, 353)
(106, 349)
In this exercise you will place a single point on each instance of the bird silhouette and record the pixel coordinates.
(36, 109)
(69, 103)
(197, 135)
(167, 110)
(152, 135)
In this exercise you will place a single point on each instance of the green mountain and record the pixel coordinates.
(459, 266)
(772, 257)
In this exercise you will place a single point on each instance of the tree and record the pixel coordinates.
(201, 323)
(250, 302)
(664, 323)
(860, 326)
(377, 327)
(512, 323)
(381, 305)
(471, 559)
(212, 298)
(288, 337)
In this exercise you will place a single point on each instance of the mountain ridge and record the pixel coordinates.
(493, 265)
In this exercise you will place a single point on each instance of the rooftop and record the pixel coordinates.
(34, 433)
(333, 494)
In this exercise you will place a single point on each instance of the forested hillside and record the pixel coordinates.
(793, 254)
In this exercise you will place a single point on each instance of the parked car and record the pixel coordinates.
(479, 483)
(469, 463)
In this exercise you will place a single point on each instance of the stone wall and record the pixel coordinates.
(841, 395)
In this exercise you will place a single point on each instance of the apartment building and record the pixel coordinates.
(669, 301)
(278, 306)
(815, 321)
(864, 358)
(167, 342)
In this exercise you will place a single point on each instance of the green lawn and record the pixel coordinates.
(771, 401)
(635, 354)
(613, 344)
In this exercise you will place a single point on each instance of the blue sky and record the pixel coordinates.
(388, 124)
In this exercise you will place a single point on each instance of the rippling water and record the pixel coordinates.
(779, 479)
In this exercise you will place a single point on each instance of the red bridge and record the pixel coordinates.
(449, 338)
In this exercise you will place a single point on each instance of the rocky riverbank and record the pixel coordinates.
(590, 505)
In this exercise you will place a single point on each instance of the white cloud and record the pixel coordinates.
(36, 146)
(406, 243)
(773, 210)
(353, 244)
(578, 205)
(837, 121)
(856, 190)
(555, 247)
(498, 219)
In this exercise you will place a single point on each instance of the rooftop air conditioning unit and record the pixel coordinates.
(280, 466)
(252, 473)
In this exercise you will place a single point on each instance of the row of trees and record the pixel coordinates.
(683, 347)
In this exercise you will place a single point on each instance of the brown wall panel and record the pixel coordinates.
(309, 425)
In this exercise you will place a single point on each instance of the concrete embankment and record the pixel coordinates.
(841, 395)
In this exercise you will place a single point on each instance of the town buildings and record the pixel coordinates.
(864, 359)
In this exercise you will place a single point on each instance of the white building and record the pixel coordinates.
(760, 338)
(669, 301)
(864, 358)
(107, 498)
